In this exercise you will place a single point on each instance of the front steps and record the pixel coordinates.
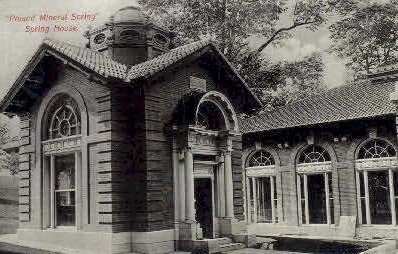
(225, 248)
(217, 245)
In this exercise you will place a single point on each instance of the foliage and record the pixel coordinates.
(293, 81)
(4, 129)
(367, 34)
(231, 24)
(7, 161)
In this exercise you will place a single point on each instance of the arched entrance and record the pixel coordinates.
(204, 127)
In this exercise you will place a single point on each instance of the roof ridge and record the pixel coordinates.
(161, 61)
(49, 41)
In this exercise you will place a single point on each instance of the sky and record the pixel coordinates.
(17, 45)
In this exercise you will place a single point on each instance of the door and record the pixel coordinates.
(317, 199)
(203, 205)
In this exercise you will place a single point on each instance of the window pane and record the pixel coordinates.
(264, 208)
(379, 197)
(395, 179)
(65, 172)
(396, 208)
(251, 200)
(361, 184)
(363, 210)
(332, 211)
(64, 187)
(65, 208)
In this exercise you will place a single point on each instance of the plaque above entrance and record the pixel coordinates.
(62, 145)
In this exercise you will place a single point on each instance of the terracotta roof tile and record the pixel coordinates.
(91, 59)
(163, 61)
(354, 101)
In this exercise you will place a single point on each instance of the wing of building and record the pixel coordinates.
(131, 145)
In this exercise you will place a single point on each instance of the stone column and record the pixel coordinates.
(189, 187)
(229, 188)
(181, 188)
(221, 189)
(188, 228)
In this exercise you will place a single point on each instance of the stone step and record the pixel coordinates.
(231, 246)
(223, 240)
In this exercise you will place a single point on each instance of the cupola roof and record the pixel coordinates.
(129, 14)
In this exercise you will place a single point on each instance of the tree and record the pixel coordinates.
(232, 23)
(4, 129)
(293, 81)
(7, 161)
(367, 34)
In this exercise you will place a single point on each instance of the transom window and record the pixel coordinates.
(315, 186)
(210, 117)
(261, 188)
(313, 154)
(261, 158)
(64, 121)
(376, 149)
(377, 183)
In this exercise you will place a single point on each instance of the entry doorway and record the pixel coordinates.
(317, 199)
(204, 205)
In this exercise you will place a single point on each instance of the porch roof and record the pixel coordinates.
(358, 100)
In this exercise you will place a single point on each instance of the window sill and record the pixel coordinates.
(318, 225)
(62, 229)
(380, 226)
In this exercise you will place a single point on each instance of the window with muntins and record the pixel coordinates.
(62, 163)
(64, 120)
(315, 186)
(377, 183)
(261, 188)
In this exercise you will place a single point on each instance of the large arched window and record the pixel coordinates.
(261, 188)
(61, 161)
(377, 182)
(314, 186)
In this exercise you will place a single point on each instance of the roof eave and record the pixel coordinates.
(18, 83)
(43, 50)
(319, 123)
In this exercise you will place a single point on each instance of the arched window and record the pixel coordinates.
(64, 119)
(210, 117)
(313, 154)
(377, 182)
(261, 188)
(261, 158)
(376, 149)
(62, 162)
(314, 186)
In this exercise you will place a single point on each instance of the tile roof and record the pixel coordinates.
(147, 68)
(91, 59)
(354, 101)
(105, 66)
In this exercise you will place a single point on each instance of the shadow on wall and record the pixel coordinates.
(8, 204)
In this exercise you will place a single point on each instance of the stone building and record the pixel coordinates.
(131, 145)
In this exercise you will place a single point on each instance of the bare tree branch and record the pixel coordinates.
(279, 31)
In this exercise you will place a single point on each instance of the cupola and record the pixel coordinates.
(130, 37)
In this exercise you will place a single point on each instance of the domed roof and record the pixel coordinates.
(131, 14)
